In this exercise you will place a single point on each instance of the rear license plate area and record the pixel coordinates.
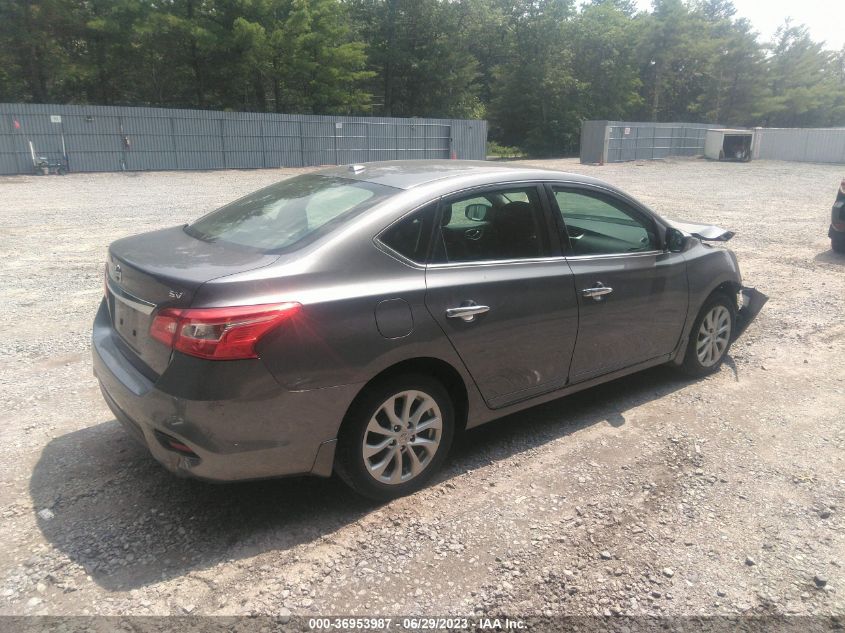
(129, 323)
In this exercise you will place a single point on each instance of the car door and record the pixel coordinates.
(501, 291)
(632, 294)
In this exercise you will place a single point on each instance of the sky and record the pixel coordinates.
(824, 18)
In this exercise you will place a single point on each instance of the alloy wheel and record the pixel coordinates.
(714, 335)
(402, 437)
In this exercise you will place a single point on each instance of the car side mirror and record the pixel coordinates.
(675, 240)
(476, 212)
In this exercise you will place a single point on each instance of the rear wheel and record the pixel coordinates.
(395, 437)
(837, 242)
(711, 336)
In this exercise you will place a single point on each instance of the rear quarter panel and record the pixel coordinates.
(335, 338)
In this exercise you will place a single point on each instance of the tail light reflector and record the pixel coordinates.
(219, 333)
(171, 443)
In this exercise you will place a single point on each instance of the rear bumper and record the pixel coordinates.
(238, 422)
(752, 302)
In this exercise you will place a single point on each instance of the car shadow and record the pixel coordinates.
(830, 257)
(102, 501)
(547, 422)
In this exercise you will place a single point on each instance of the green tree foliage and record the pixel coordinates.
(283, 55)
(603, 39)
(676, 60)
(421, 52)
(735, 85)
(534, 89)
(806, 87)
(534, 68)
(38, 49)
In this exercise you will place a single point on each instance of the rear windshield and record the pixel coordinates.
(290, 212)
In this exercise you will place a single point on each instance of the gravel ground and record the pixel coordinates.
(649, 495)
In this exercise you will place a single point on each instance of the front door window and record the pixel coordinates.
(598, 226)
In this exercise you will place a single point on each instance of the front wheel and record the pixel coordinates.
(710, 337)
(396, 437)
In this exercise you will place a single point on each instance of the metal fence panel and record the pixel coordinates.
(807, 145)
(593, 142)
(614, 141)
(617, 141)
(105, 138)
(381, 138)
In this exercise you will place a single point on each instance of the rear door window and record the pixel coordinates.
(290, 213)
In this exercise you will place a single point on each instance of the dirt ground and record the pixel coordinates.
(649, 495)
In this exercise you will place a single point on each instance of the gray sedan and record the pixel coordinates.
(355, 319)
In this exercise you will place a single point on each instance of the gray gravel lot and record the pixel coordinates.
(649, 495)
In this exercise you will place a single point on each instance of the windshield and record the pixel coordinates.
(292, 211)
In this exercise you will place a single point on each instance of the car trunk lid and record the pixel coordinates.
(163, 269)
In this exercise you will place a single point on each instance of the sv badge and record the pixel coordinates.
(175, 295)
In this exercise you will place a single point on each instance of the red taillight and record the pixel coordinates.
(164, 326)
(219, 333)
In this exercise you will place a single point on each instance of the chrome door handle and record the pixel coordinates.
(466, 312)
(598, 292)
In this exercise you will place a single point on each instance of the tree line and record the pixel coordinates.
(534, 68)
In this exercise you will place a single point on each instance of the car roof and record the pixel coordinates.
(407, 174)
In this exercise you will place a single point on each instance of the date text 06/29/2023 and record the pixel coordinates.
(420, 623)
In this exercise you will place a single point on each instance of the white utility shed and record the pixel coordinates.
(728, 144)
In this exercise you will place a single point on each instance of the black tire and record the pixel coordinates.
(692, 365)
(837, 243)
(350, 464)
